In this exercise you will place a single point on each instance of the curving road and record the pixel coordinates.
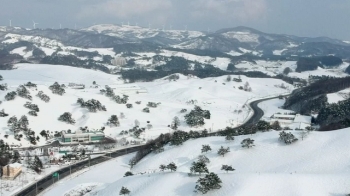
(64, 172)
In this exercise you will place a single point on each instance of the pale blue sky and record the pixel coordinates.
(297, 17)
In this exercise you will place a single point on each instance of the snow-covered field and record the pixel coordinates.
(317, 165)
(221, 98)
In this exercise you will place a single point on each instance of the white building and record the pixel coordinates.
(81, 137)
(291, 119)
(119, 61)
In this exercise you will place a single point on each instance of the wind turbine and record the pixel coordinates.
(149, 25)
(60, 26)
(10, 23)
(128, 23)
(34, 23)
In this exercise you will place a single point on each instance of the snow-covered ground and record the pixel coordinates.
(104, 173)
(338, 96)
(221, 98)
(317, 165)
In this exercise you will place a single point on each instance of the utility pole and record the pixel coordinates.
(89, 161)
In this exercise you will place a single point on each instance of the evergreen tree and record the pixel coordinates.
(203, 158)
(2, 113)
(196, 117)
(179, 137)
(199, 167)
(36, 165)
(67, 117)
(227, 168)
(171, 166)
(263, 125)
(247, 143)
(43, 96)
(23, 123)
(128, 173)
(229, 137)
(287, 138)
(176, 123)
(113, 121)
(23, 92)
(209, 182)
(276, 126)
(13, 125)
(162, 167)
(3, 87)
(206, 148)
(10, 96)
(222, 151)
(228, 78)
(57, 89)
(124, 191)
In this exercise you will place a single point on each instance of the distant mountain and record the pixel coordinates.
(32, 45)
(241, 40)
(136, 33)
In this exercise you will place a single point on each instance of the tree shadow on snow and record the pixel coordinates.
(186, 188)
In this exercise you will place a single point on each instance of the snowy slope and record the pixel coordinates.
(317, 165)
(210, 94)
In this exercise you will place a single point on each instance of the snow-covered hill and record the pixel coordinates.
(129, 32)
(317, 165)
(217, 95)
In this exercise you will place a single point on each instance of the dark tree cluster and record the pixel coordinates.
(67, 117)
(149, 147)
(171, 166)
(222, 151)
(3, 87)
(313, 97)
(199, 167)
(152, 104)
(36, 165)
(307, 64)
(334, 113)
(92, 105)
(30, 85)
(3, 113)
(57, 89)
(73, 61)
(208, 182)
(247, 143)
(108, 92)
(23, 92)
(33, 108)
(196, 117)
(287, 138)
(146, 110)
(43, 96)
(227, 168)
(113, 121)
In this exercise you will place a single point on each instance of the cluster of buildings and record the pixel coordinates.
(295, 120)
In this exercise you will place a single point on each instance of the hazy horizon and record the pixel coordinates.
(301, 18)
